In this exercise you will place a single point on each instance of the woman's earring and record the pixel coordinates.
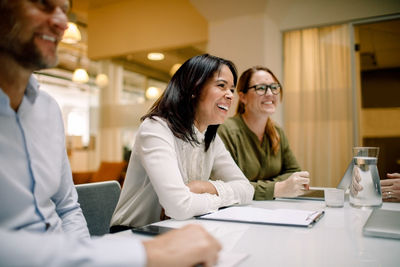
(193, 96)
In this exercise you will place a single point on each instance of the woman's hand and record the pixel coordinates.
(201, 187)
(293, 186)
(391, 188)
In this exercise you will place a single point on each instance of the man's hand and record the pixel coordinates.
(186, 247)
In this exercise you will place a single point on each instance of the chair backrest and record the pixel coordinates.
(98, 201)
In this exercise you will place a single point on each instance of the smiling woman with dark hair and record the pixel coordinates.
(178, 104)
(178, 164)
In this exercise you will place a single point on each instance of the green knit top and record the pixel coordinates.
(257, 161)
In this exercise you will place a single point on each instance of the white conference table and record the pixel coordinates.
(335, 240)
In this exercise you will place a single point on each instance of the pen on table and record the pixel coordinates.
(316, 219)
(310, 215)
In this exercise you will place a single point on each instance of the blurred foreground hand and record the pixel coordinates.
(186, 247)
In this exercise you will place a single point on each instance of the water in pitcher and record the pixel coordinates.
(370, 195)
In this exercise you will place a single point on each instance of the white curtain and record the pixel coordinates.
(317, 94)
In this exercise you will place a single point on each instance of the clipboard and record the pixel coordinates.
(283, 217)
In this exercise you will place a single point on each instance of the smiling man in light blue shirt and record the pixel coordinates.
(41, 223)
(36, 193)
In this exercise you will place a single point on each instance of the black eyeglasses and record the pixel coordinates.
(261, 89)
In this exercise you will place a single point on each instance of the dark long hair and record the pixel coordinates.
(178, 104)
(243, 86)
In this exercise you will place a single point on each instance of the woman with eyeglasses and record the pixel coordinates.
(258, 146)
(179, 167)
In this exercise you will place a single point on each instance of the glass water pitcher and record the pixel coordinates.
(365, 188)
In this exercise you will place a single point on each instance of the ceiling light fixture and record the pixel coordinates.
(155, 56)
(152, 92)
(80, 76)
(101, 80)
(72, 35)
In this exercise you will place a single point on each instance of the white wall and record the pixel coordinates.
(248, 40)
(240, 39)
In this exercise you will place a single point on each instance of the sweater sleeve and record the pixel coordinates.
(264, 189)
(231, 184)
(159, 159)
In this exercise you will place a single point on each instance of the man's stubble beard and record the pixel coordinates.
(26, 53)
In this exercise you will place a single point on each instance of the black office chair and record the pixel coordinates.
(98, 201)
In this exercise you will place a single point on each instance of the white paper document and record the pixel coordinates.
(289, 217)
(230, 259)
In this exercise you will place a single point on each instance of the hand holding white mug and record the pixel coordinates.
(293, 186)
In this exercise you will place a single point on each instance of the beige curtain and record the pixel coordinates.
(317, 92)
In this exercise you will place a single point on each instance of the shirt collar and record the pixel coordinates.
(31, 92)
(199, 135)
(4, 102)
(245, 127)
(32, 89)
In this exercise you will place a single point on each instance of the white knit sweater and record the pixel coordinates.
(161, 165)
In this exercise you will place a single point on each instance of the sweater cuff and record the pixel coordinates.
(264, 191)
(225, 193)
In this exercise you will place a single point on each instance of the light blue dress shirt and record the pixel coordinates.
(41, 222)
